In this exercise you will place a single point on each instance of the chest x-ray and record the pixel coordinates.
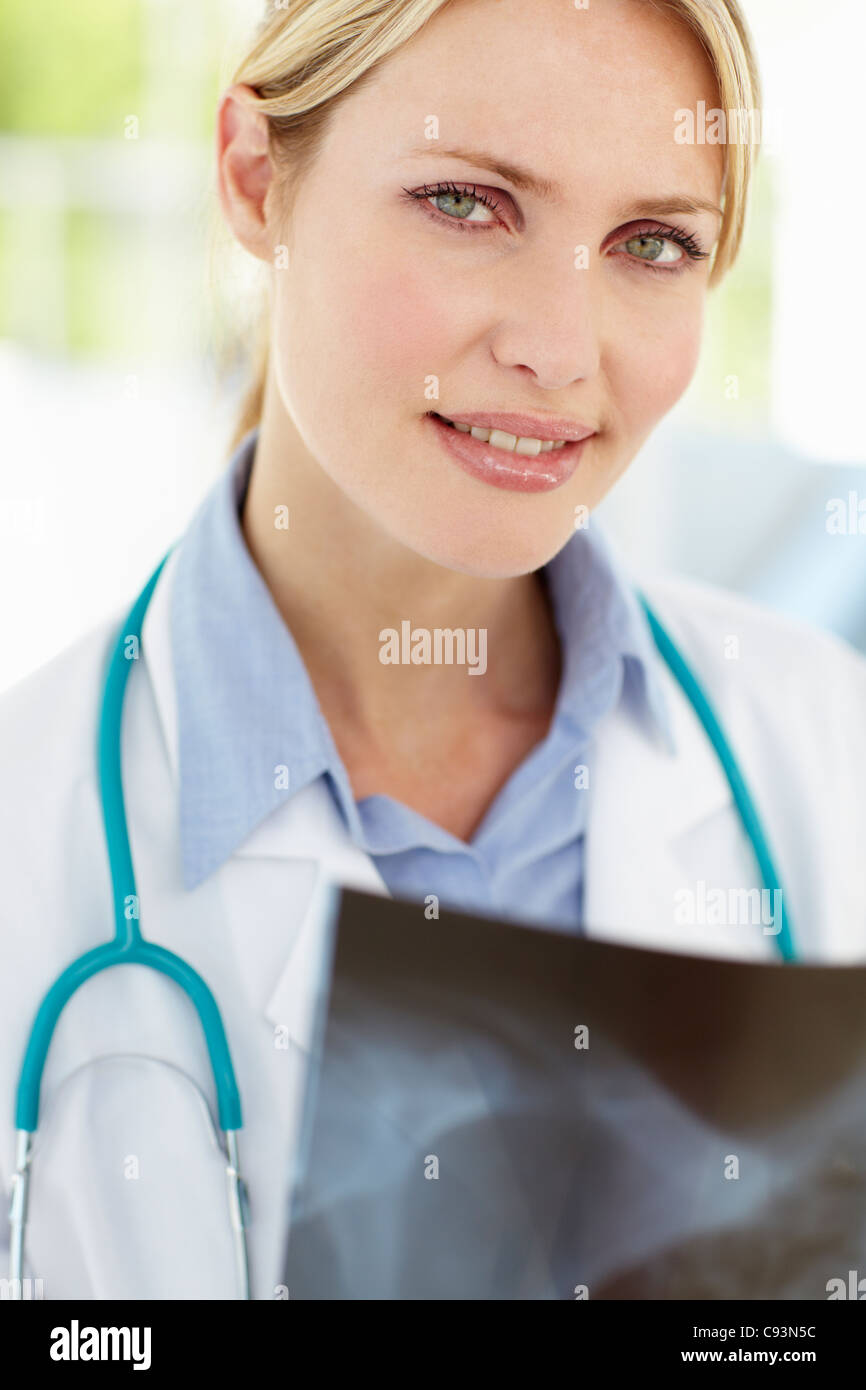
(504, 1112)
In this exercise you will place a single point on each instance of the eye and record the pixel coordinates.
(668, 249)
(458, 205)
(654, 248)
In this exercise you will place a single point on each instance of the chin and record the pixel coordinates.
(490, 555)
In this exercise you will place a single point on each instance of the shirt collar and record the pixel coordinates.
(250, 729)
(603, 630)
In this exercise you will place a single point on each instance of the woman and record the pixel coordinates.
(489, 261)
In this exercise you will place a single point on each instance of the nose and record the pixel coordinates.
(550, 320)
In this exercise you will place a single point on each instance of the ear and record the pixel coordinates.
(245, 170)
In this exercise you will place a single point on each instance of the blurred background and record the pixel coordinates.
(127, 313)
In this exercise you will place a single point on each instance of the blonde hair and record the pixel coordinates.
(309, 55)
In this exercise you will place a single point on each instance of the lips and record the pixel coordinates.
(552, 428)
(498, 438)
(504, 468)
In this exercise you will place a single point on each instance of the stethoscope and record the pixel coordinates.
(129, 947)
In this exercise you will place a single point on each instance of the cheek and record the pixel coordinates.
(399, 324)
(362, 331)
(654, 370)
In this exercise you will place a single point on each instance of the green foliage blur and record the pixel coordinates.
(731, 389)
(84, 276)
(69, 69)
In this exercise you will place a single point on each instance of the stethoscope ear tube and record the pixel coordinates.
(18, 1212)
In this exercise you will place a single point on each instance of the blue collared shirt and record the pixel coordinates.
(246, 705)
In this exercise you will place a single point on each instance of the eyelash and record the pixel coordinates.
(457, 191)
(678, 235)
(686, 240)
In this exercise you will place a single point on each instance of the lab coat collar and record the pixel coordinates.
(303, 824)
(306, 827)
(644, 806)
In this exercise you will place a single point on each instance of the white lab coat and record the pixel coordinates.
(128, 1195)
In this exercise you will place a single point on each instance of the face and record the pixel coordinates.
(567, 282)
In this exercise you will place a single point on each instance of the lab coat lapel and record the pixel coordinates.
(307, 834)
(643, 802)
(309, 828)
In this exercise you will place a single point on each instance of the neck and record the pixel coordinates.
(339, 580)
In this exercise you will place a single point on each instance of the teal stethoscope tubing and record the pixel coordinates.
(751, 821)
(129, 948)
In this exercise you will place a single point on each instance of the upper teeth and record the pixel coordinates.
(513, 443)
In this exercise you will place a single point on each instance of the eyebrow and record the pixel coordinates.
(667, 207)
(528, 182)
(523, 179)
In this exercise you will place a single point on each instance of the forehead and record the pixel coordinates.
(585, 98)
